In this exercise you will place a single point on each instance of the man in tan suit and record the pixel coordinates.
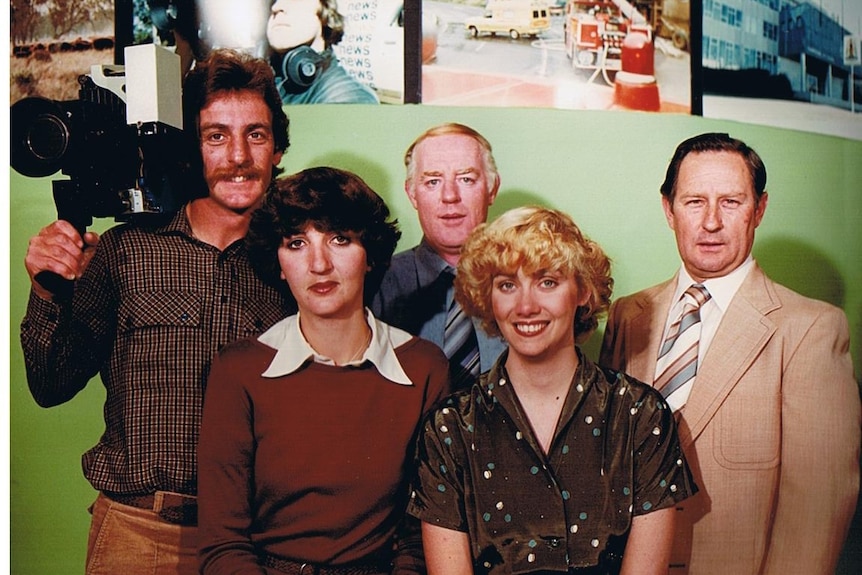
(768, 407)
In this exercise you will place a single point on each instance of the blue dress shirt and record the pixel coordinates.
(415, 296)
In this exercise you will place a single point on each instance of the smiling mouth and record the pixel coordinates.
(240, 179)
(530, 329)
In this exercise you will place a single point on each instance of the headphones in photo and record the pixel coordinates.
(299, 68)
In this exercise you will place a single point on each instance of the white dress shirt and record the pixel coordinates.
(722, 290)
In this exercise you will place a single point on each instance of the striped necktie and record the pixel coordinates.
(460, 346)
(677, 357)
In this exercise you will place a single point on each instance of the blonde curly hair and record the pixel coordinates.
(532, 238)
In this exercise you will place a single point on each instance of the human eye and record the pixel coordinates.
(293, 243)
(431, 183)
(504, 285)
(549, 282)
(213, 137)
(260, 136)
(341, 239)
(467, 179)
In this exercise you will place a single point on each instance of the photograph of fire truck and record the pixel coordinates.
(572, 54)
(594, 34)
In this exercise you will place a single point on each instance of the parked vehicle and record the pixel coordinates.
(515, 18)
(594, 34)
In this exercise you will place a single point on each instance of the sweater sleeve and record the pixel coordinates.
(225, 475)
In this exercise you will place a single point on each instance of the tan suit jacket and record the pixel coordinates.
(771, 429)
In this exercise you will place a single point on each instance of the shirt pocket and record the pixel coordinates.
(159, 308)
(749, 427)
(260, 313)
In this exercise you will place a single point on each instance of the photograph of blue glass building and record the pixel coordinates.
(782, 49)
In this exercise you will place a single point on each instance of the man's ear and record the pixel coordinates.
(492, 193)
(667, 206)
(411, 193)
(761, 208)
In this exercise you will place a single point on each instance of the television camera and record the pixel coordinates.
(121, 143)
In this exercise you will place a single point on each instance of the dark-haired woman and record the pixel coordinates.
(307, 429)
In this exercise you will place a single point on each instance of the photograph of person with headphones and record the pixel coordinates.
(301, 34)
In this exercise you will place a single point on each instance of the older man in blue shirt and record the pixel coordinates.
(452, 180)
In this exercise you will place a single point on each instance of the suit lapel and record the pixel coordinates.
(741, 336)
(648, 326)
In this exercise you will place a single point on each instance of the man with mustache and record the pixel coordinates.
(452, 180)
(151, 303)
(768, 408)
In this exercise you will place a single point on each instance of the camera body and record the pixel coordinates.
(126, 154)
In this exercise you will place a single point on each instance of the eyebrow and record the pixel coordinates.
(246, 128)
(458, 172)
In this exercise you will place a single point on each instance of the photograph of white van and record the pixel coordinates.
(515, 18)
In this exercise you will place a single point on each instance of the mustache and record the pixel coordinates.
(230, 174)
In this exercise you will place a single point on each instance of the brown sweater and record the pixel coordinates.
(312, 466)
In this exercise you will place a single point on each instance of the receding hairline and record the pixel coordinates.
(486, 165)
(452, 129)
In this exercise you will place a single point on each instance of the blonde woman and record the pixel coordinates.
(548, 463)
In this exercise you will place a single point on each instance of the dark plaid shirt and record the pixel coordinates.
(148, 314)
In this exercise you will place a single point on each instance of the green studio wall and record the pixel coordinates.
(604, 168)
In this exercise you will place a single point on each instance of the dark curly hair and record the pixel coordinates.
(533, 238)
(232, 71)
(330, 200)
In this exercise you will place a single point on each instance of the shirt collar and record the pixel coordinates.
(429, 263)
(495, 387)
(293, 350)
(721, 289)
(177, 223)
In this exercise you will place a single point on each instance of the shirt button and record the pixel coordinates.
(555, 542)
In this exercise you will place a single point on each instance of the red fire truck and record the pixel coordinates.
(595, 31)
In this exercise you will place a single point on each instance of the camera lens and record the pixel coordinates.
(47, 138)
(39, 137)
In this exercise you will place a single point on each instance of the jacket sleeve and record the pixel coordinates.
(611, 354)
(819, 476)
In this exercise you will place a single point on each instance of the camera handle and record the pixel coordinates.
(68, 209)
